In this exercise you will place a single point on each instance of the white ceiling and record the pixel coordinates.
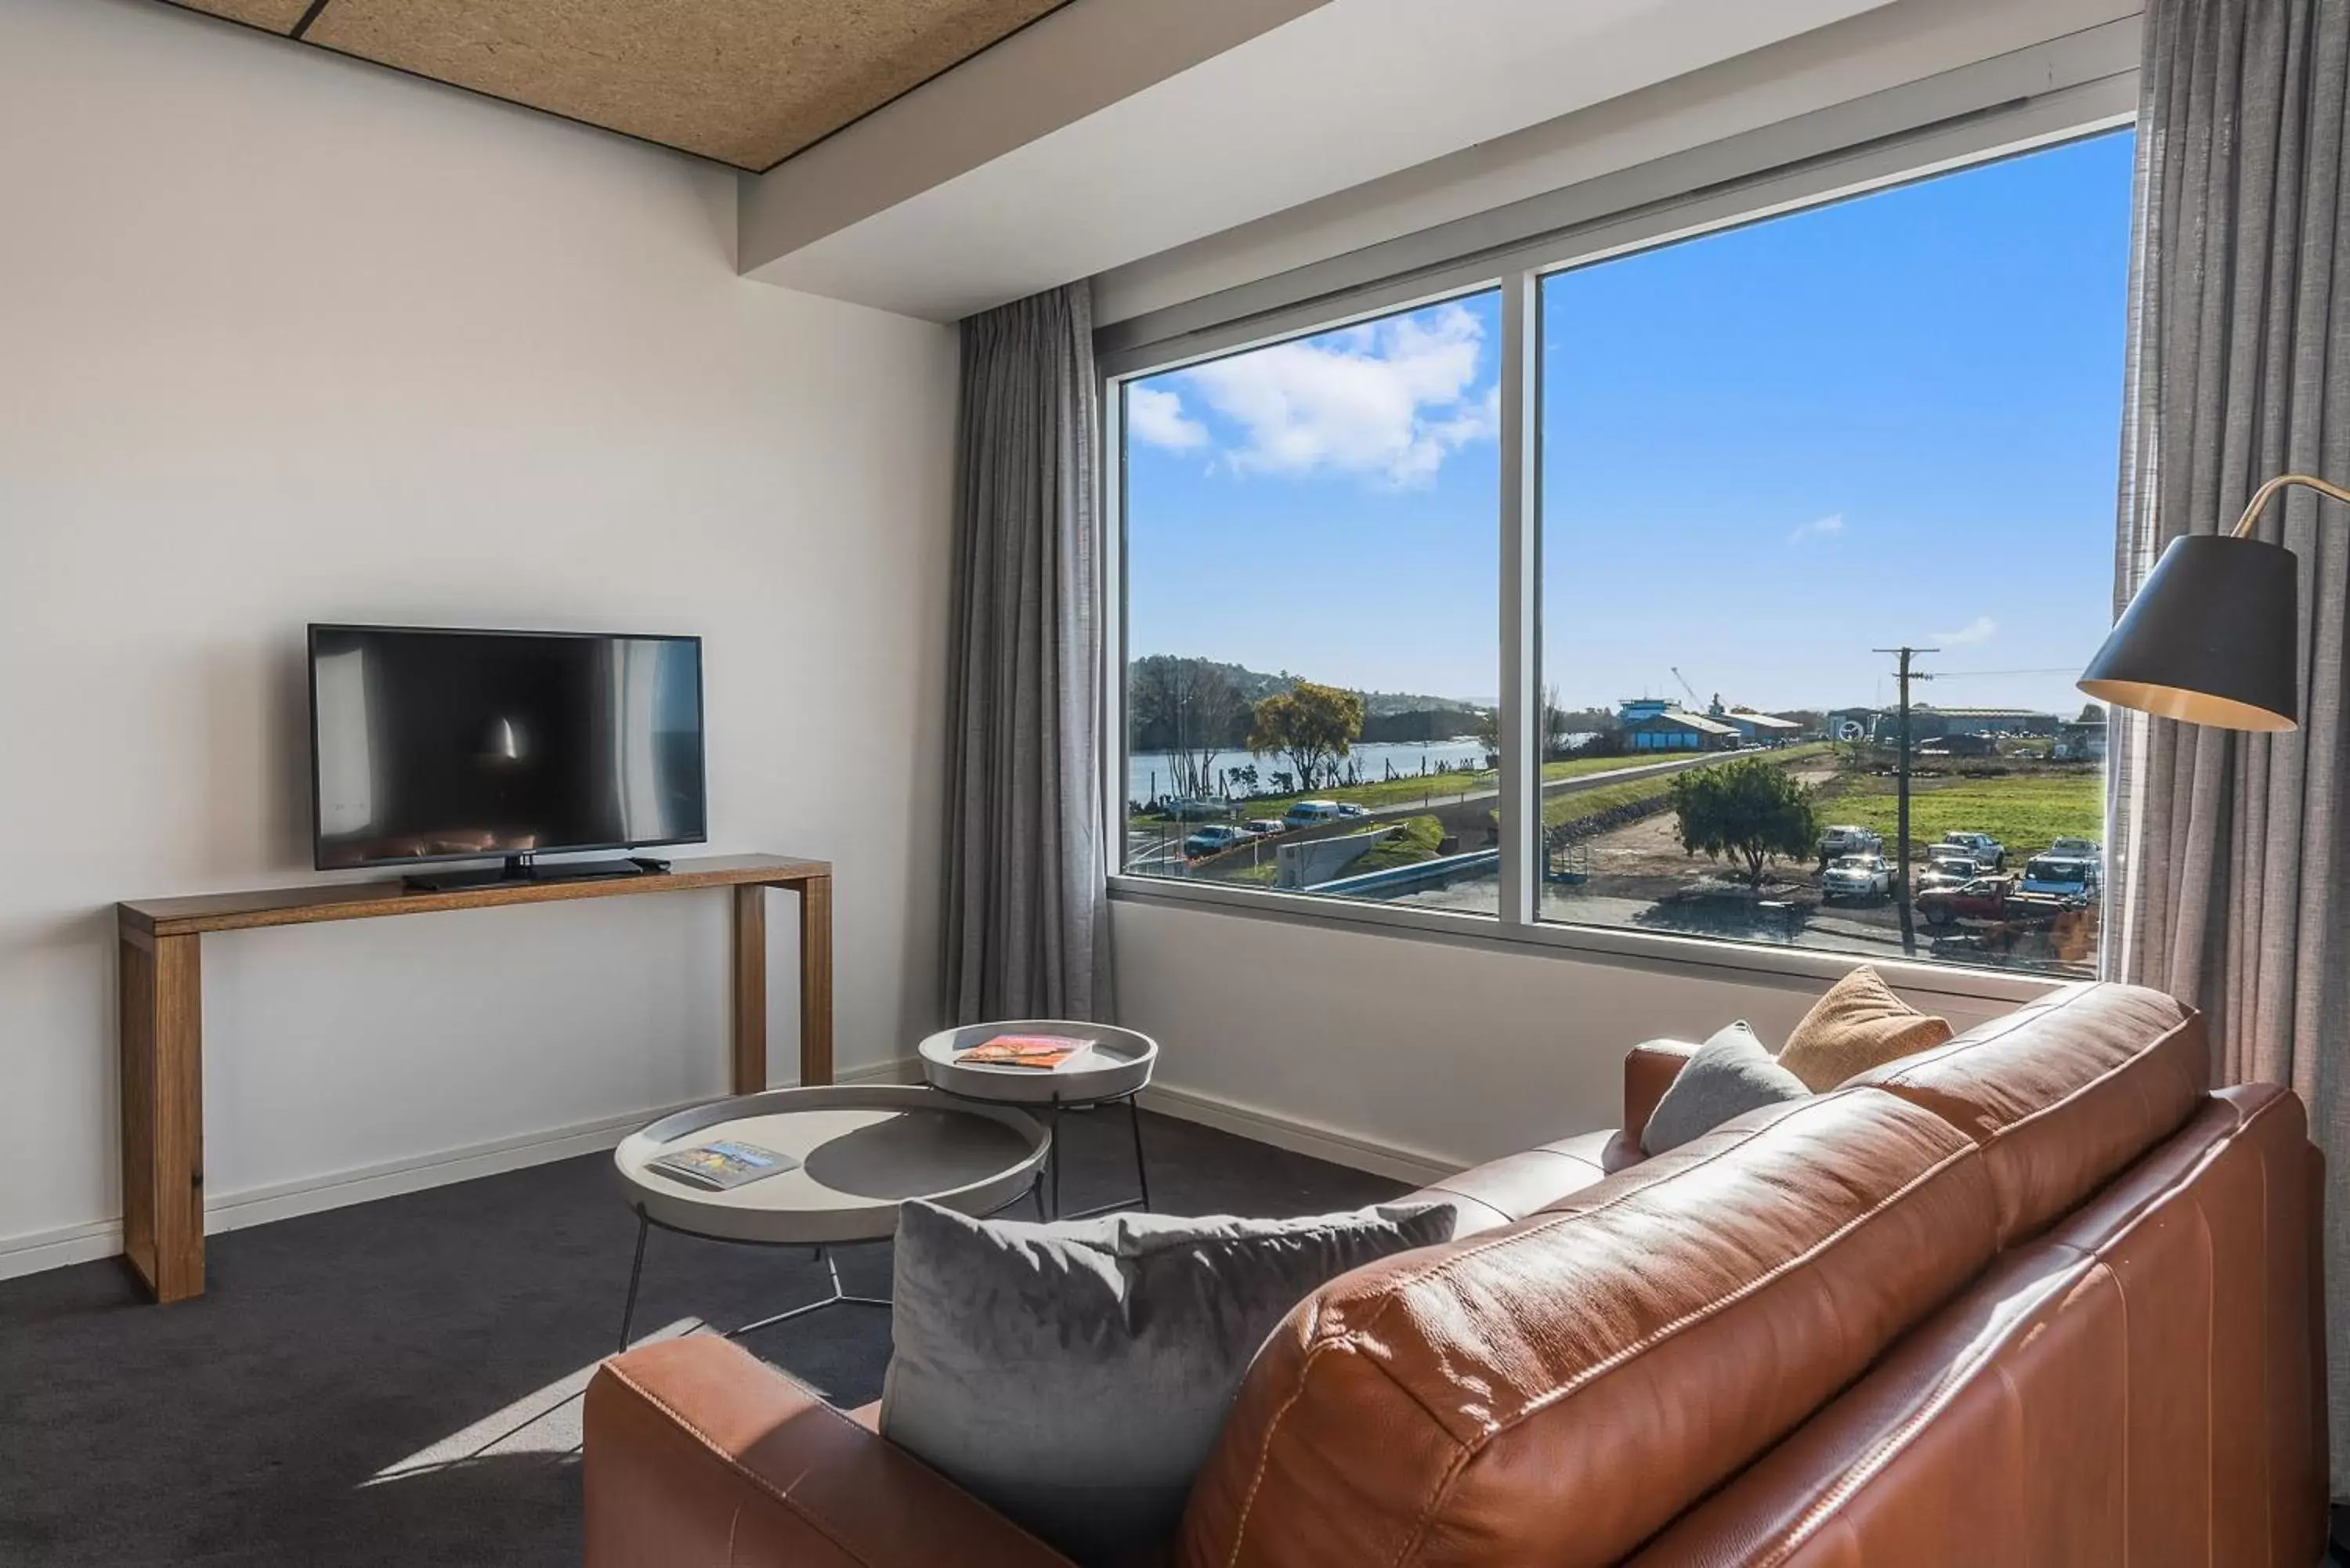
(1344, 93)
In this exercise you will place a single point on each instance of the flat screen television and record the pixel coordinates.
(433, 745)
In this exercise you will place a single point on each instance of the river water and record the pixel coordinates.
(1150, 774)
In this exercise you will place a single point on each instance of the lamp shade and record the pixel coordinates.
(2212, 638)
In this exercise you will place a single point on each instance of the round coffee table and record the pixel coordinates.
(1116, 1067)
(863, 1150)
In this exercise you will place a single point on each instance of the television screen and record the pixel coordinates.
(447, 745)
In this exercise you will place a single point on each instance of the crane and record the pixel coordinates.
(1696, 704)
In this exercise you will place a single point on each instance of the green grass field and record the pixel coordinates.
(1414, 839)
(1561, 809)
(1431, 790)
(2025, 812)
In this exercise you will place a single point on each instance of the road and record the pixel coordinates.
(1555, 787)
(1149, 843)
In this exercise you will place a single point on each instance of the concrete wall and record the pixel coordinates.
(283, 338)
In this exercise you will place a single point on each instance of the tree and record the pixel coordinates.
(1556, 721)
(1313, 726)
(1751, 810)
(2091, 715)
(1190, 709)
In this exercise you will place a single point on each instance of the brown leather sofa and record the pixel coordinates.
(2037, 1297)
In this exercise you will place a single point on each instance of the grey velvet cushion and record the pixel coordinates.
(1730, 1075)
(1074, 1375)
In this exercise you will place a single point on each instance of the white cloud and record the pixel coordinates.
(1385, 398)
(1156, 415)
(1827, 528)
(1982, 628)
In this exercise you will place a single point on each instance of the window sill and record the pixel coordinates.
(1698, 957)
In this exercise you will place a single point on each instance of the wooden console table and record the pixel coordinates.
(160, 1025)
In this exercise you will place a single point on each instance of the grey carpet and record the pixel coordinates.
(395, 1383)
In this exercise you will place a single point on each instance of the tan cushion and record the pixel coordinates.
(1859, 1024)
(1553, 1392)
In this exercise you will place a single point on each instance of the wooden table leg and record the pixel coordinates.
(816, 981)
(749, 1056)
(162, 1029)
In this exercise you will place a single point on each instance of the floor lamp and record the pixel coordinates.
(2212, 636)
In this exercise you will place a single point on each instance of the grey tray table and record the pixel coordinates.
(1115, 1068)
(863, 1148)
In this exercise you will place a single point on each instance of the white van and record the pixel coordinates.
(1312, 813)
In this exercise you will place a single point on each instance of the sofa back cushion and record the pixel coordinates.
(2144, 1384)
(2064, 1093)
(1555, 1391)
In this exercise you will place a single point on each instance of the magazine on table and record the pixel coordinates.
(1038, 1052)
(721, 1166)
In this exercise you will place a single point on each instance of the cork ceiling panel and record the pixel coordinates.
(277, 16)
(747, 82)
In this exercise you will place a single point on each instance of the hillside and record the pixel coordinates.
(1254, 684)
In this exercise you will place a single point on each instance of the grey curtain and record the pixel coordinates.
(2228, 852)
(1026, 920)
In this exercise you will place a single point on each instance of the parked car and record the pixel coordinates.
(2068, 876)
(2076, 849)
(1978, 899)
(1848, 839)
(1856, 876)
(1312, 813)
(1987, 851)
(1214, 839)
(1264, 826)
(1348, 808)
(1954, 870)
(1194, 810)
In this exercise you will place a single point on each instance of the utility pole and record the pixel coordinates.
(1901, 773)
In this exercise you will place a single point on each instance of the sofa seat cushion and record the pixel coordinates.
(1074, 1375)
(2064, 1093)
(1857, 1024)
(1554, 1391)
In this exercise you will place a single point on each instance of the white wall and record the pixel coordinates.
(1413, 1056)
(285, 339)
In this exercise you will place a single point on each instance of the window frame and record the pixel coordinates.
(1243, 320)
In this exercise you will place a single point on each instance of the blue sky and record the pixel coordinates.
(1765, 453)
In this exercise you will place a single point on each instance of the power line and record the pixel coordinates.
(1963, 674)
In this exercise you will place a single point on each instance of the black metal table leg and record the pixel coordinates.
(636, 1273)
(1052, 1155)
(1141, 1169)
(837, 1297)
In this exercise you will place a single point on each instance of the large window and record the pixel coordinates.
(1778, 465)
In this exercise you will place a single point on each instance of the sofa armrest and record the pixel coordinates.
(1650, 1069)
(697, 1452)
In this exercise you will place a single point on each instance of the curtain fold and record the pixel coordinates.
(1025, 930)
(2227, 848)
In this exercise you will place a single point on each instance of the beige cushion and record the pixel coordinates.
(1859, 1024)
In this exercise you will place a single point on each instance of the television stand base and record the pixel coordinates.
(523, 868)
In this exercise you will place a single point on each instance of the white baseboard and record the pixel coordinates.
(39, 1250)
(42, 1250)
(1416, 1166)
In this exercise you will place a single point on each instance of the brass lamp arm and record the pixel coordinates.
(2262, 498)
